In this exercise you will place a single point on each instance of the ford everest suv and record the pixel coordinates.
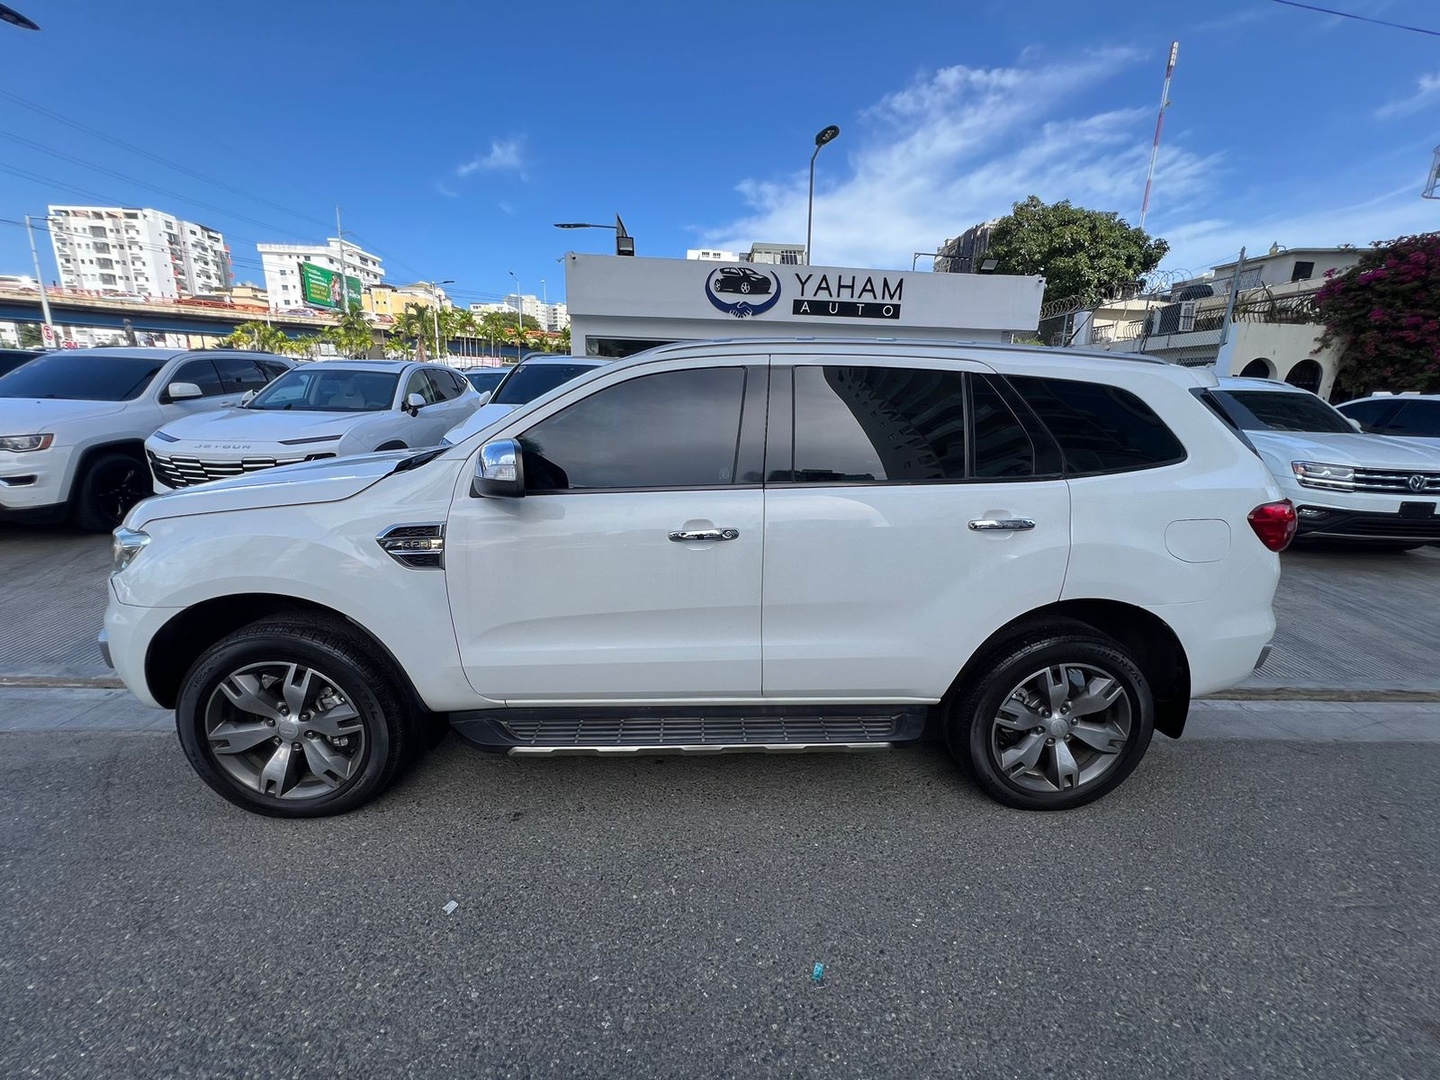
(743, 545)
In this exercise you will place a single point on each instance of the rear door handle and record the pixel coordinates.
(690, 536)
(1001, 524)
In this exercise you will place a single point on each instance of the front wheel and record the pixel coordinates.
(291, 718)
(111, 484)
(1053, 722)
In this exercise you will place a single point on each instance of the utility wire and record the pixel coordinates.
(1358, 18)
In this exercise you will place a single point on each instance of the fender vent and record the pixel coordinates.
(420, 547)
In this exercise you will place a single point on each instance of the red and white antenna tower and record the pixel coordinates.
(1159, 124)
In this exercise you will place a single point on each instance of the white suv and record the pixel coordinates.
(73, 424)
(1349, 487)
(763, 545)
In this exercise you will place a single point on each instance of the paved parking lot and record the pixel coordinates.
(1355, 621)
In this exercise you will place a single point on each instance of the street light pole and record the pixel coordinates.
(40, 280)
(519, 314)
(825, 135)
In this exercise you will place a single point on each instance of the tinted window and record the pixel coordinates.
(1416, 418)
(486, 380)
(419, 383)
(1100, 428)
(1277, 410)
(202, 373)
(272, 369)
(1002, 447)
(239, 374)
(1367, 412)
(528, 381)
(444, 385)
(873, 424)
(319, 389)
(675, 429)
(80, 376)
(10, 359)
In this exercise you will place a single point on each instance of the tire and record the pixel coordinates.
(1018, 756)
(112, 483)
(744, 286)
(326, 730)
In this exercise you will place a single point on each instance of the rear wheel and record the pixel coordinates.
(294, 719)
(110, 485)
(1053, 722)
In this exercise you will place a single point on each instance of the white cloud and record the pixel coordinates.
(957, 148)
(504, 154)
(1427, 91)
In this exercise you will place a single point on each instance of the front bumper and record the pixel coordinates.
(32, 485)
(1415, 522)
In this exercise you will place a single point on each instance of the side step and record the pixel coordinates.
(693, 730)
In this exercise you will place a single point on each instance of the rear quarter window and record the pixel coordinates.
(1100, 428)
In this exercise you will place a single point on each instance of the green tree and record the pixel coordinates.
(29, 335)
(1384, 314)
(256, 335)
(1089, 255)
(353, 336)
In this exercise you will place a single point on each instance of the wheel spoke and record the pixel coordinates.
(327, 763)
(1056, 686)
(281, 772)
(1016, 715)
(1106, 738)
(232, 737)
(1100, 693)
(341, 719)
(297, 688)
(1023, 755)
(245, 693)
(1066, 774)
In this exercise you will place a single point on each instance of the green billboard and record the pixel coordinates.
(323, 288)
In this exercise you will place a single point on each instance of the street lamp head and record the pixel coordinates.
(14, 18)
(580, 225)
(828, 134)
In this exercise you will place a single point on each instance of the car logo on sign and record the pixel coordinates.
(1417, 482)
(743, 282)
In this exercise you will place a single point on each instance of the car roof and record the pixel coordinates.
(562, 358)
(1404, 395)
(361, 364)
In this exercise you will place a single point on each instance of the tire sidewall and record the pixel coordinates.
(242, 650)
(89, 516)
(970, 729)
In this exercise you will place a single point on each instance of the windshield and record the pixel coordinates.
(329, 390)
(83, 376)
(486, 380)
(529, 381)
(1272, 410)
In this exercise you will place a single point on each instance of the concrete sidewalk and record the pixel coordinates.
(36, 709)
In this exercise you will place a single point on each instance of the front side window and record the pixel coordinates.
(673, 429)
(240, 373)
(1100, 428)
(867, 425)
(314, 389)
(202, 374)
(419, 383)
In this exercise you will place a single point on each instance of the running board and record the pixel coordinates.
(691, 729)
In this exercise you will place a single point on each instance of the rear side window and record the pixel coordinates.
(1421, 418)
(1100, 428)
(876, 425)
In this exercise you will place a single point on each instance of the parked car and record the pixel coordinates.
(741, 279)
(10, 359)
(73, 423)
(1348, 486)
(325, 409)
(760, 545)
(485, 379)
(534, 376)
(1410, 416)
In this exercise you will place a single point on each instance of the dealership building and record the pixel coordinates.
(621, 305)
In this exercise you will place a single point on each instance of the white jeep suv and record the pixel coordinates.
(73, 423)
(749, 545)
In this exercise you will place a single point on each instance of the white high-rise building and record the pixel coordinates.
(281, 263)
(551, 317)
(121, 249)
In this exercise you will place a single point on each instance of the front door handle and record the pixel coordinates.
(1001, 524)
(690, 536)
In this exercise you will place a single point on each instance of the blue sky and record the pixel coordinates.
(454, 134)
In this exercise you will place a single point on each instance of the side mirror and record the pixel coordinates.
(1356, 424)
(485, 396)
(499, 471)
(183, 391)
(414, 403)
(248, 397)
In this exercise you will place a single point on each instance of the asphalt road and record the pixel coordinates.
(1236, 908)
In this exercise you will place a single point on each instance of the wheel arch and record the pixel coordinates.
(181, 641)
(1156, 649)
(134, 447)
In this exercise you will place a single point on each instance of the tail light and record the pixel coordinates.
(1274, 524)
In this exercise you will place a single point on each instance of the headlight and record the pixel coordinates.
(1315, 474)
(125, 545)
(19, 444)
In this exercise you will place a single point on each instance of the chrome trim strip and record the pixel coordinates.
(718, 748)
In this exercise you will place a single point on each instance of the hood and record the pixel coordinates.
(233, 429)
(329, 480)
(481, 418)
(32, 416)
(1365, 451)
